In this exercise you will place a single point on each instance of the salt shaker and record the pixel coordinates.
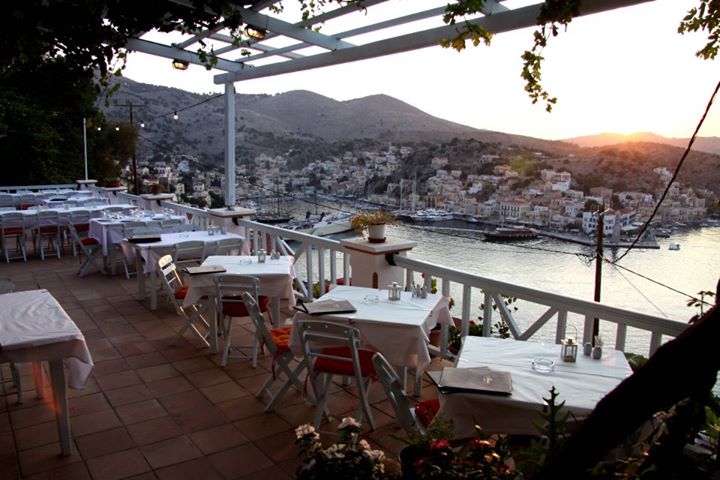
(261, 256)
(587, 349)
(423, 292)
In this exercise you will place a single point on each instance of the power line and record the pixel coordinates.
(675, 174)
(638, 290)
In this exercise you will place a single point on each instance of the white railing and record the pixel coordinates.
(321, 260)
(27, 188)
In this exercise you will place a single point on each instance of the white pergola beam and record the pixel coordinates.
(496, 23)
(152, 48)
(199, 36)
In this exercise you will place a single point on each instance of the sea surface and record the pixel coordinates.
(566, 268)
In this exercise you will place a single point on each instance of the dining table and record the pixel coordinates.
(535, 368)
(35, 328)
(109, 231)
(276, 276)
(150, 252)
(399, 329)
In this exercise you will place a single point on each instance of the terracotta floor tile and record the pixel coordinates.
(182, 402)
(36, 435)
(41, 459)
(191, 365)
(145, 359)
(118, 465)
(200, 419)
(240, 461)
(170, 386)
(252, 383)
(118, 380)
(131, 394)
(218, 438)
(104, 443)
(94, 422)
(110, 366)
(263, 425)
(32, 416)
(88, 404)
(198, 469)
(223, 392)
(154, 430)
(205, 378)
(140, 411)
(170, 452)
(158, 372)
(279, 447)
(73, 471)
(242, 407)
(9, 466)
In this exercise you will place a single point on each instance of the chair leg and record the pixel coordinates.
(290, 381)
(227, 337)
(18, 383)
(321, 397)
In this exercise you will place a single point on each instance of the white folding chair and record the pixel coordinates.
(12, 226)
(229, 291)
(88, 247)
(228, 246)
(334, 349)
(81, 220)
(412, 420)
(276, 341)
(48, 229)
(176, 293)
(189, 254)
(7, 200)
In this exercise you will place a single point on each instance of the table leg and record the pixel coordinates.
(38, 377)
(212, 319)
(153, 288)
(62, 415)
(140, 276)
(275, 305)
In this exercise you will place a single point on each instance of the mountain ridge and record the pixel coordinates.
(701, 144)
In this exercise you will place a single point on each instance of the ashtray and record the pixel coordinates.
(543, 365)
(371, 298)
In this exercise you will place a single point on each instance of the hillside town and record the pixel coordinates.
(548, 199)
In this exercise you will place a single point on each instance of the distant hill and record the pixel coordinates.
(297, 120)
(702, 144)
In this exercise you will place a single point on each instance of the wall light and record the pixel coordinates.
(256, 33)
(175, 116)
(180, 64)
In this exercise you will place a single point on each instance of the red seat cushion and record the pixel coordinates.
(340, 367)
(281, 338)
(181, 293)
(237, 309)
(82, 227)
(49, 229)
(88, 241)
(426, 410)
(12, 231)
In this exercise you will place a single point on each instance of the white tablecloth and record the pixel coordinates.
(151, 252)
(64, 213)
(109, 231)
(276, 277)
(580, 385)
(34, 327)
(397, 329)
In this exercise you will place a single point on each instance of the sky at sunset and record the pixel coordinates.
(624, 71)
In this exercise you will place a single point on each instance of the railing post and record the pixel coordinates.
(370, 267)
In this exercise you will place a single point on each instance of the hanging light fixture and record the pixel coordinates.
(175, 116)
(256, 33)
(117, 128)
(142, 124)
(180, 64)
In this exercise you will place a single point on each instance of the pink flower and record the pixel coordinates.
(441, 444)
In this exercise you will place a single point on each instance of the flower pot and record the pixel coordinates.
(376, 233)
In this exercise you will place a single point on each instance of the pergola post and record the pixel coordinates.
(229, 145)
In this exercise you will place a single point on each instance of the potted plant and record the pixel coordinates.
(374, 222)
(156, 189)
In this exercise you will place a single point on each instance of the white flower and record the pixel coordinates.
(349, 422)
(305, 430)
(375, 455)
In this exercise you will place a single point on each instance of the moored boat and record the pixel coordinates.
(508, 234)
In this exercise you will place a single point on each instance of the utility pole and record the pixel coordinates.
(136, 179)
(598, 267)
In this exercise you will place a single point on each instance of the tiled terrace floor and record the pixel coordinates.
(154, 408)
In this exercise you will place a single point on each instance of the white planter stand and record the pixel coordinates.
(369, 266)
